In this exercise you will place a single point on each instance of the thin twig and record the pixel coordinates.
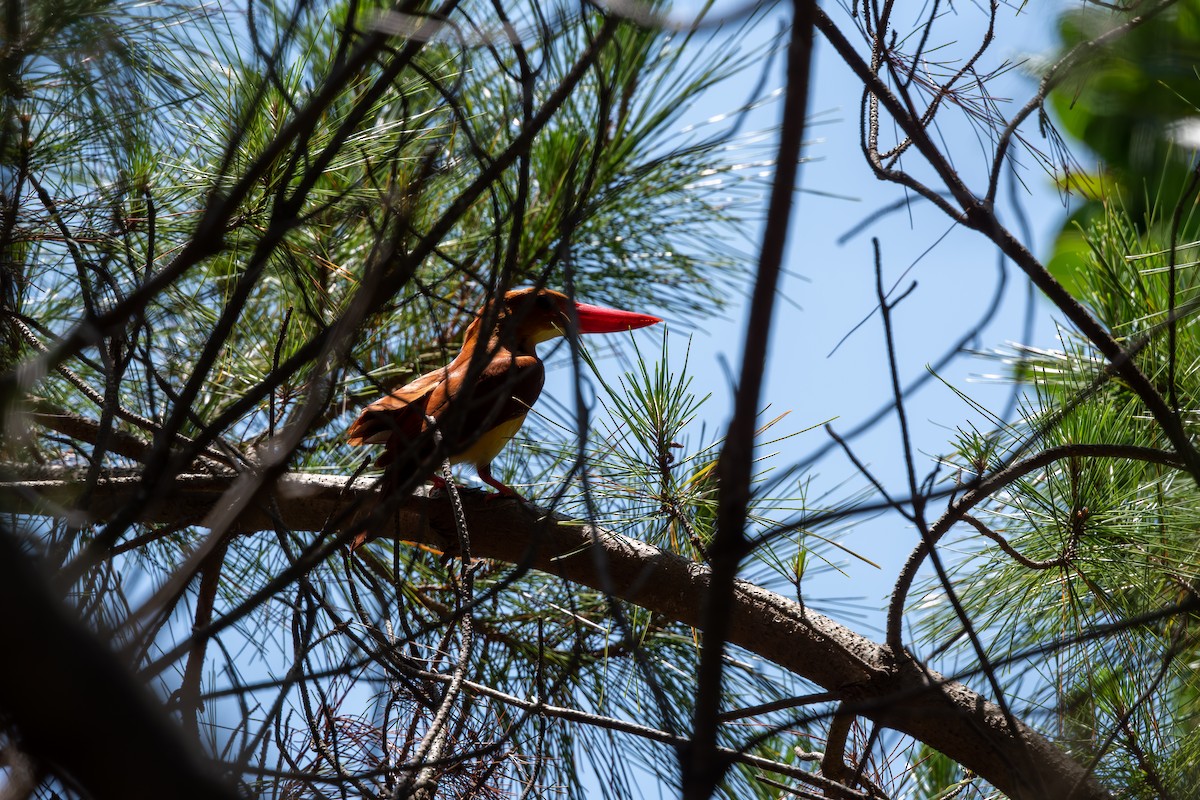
(1062, 560)
(423, 784)
(702, 770)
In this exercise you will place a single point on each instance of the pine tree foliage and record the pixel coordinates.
(386, 157)
(325, 205)
(223, 231)
(1097, 540)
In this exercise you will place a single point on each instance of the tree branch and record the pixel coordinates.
(702, 769)
(891, 690)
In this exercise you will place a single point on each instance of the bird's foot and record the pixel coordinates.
(503, 490)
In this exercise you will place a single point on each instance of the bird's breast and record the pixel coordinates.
(485, 448)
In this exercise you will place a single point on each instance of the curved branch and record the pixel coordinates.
(979, 215)
(870, 678)
(996, 481)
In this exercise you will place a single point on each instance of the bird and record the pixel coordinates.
(478, 402)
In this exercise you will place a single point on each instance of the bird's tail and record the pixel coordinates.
(378, 517)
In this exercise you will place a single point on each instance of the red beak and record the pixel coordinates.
(594, 319)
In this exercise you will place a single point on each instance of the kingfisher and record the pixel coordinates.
(478, 402)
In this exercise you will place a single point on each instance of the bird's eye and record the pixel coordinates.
(544, 302)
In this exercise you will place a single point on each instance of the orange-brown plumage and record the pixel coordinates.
(476, 418)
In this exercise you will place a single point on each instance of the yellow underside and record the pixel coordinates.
(491, 443)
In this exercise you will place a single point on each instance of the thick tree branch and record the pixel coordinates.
(873, 683)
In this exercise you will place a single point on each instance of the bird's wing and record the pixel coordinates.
(401, 412)
(508, 386)
(506, 389)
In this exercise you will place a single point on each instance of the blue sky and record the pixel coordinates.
(830, 288)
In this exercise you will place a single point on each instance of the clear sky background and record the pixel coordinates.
(830, 287)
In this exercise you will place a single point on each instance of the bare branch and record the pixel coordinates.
(701, 770)
(980, 215)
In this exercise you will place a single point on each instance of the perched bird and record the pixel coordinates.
(478, 401)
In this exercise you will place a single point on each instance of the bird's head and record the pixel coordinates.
(527, 317)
